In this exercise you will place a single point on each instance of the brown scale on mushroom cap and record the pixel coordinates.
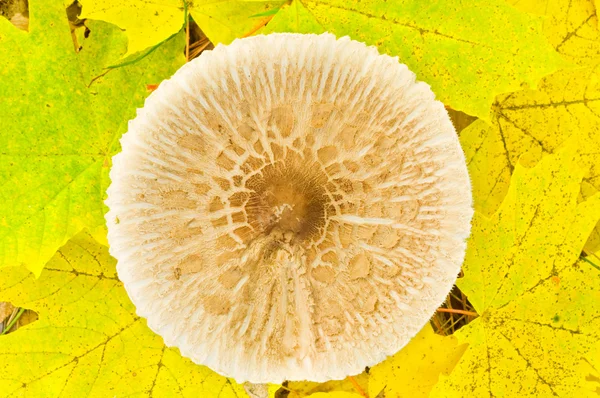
(291, 207)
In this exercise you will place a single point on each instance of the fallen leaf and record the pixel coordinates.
(534, 337)
(411, 372)
(294, 17)
(571, 27)
(301, 389)
(148, 23)
(88, 341)
(468, 51)
(565, 106)
(62, 116)
(336, 394)
(414, 370)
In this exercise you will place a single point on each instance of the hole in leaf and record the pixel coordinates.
(283, 392)
(73, 13)
(17, 12)
(460, 120)
(12, 318)
(198, 42)
(456, 312)
(79, 31)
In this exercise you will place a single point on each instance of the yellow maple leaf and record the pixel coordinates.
(88, 341)
(468, 51)
(411, 372)
(148, 23)
(414, 370)
(571, 26)
(566, 105)
(300, 389)
(539, 329)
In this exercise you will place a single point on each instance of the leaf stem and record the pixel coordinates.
(261, 24)
(438, 325)
(13, 321)
(456, 321)
(187, 31)
(357, 387)
(452, 310)
(591, 263)
(137, 59)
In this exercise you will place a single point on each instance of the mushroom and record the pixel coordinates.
(289, 207)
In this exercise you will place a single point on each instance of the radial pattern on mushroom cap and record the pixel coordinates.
(289, 207)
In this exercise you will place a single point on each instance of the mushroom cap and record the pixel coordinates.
(289, 207)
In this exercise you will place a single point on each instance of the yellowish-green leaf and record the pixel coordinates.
(148, 23)
(414, 370)
(539, 329)
(571, 26)
(469, 51)
(61, 125)
(88, 341)
(294, 18)
(224, 21)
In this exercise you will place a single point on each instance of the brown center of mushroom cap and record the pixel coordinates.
(287, 200)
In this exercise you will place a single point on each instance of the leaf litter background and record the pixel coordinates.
(521, 81)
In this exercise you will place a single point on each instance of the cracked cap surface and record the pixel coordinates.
(289, 207)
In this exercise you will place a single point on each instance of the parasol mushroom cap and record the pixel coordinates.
(289, 207)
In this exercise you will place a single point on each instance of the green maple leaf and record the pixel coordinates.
(565, 106)
(148, 23)
(468, 51)
(88, 341)
(539, 329)
(60, 127)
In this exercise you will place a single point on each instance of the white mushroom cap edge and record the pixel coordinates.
(289, 207)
